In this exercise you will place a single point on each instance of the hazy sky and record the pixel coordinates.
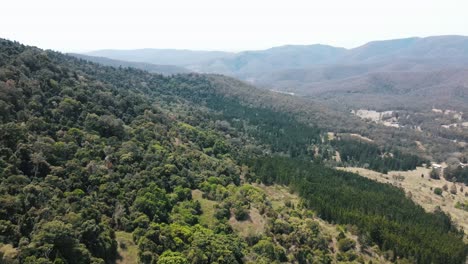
(224, 25)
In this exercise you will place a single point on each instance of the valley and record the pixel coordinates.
(116, 164)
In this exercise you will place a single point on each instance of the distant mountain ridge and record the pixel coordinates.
(161, 56)
(298, 56)
(332, 73)
(421, 48)
(290, 56)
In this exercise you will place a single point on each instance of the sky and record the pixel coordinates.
(236, 25)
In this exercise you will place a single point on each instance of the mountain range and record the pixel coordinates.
(161, 56)
(430, 71)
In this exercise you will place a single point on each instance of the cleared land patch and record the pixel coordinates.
(208, 208)
(127, 250)
(253, 225)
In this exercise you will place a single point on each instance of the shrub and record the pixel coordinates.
(346, 244)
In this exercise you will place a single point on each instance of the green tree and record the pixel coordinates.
(169, 257)
(56, 239)
(153, 202)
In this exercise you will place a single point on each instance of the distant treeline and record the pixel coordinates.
(356, 152)
(459, 174)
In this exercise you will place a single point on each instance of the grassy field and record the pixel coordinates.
(253, 225)
(9, 253)
(279, 195)
(128, 251)
(207, 218)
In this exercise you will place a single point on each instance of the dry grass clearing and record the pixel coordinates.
(420, 145)
(9, 253)
(361, 137)
(421, 190)
(333, 135)
(337, 156)
(126, 248)
(253, 225)
(279, 195)
(208, 208)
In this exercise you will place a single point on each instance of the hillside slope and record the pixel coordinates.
(251, 63)
(88, 150)
(413, 90)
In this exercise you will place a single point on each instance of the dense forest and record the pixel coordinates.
(88, 150)
(358, 152)
(459, 174)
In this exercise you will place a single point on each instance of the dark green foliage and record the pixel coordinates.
(199, 244)
(56, 239)
(153, 202)
(240, 213)
(357, 152)
(346, 244)
(435, 174)
(186, 212)
(99, 150)
(269, 250)
(459, 174)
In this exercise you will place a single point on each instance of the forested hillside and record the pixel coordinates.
(411, 76)
(88, 152)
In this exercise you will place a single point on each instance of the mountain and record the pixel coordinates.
(250, 63)
(453, 49)
(437, 47)
(99, 164)
(409, 90)
(368, 86)
(329, 73)
(161, 69)
(416, 72)
(161, 56)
